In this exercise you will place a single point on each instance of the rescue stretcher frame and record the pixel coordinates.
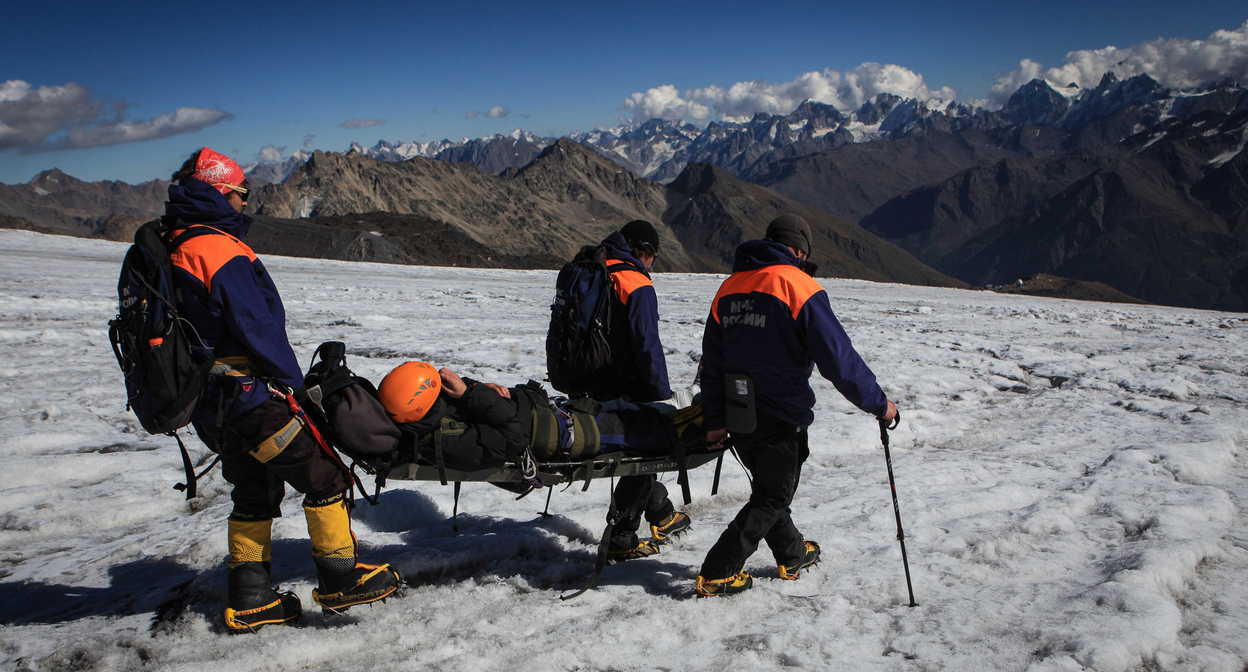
(609, 466)
(557, 473)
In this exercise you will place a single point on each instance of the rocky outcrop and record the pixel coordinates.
(568, 197)
(62, 204)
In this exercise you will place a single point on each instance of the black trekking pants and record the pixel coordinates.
(635, 495)
(259, 487)
(773, 454)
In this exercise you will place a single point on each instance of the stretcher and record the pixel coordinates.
(607, 466)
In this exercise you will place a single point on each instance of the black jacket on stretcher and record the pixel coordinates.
(491, 429)
(497, 428)
(772, 321)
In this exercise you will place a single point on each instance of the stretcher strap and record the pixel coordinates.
(191, 477)
(455, 510)
(715, 484)
(678, 448)
(437, 453)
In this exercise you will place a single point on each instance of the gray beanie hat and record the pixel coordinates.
(790, 230)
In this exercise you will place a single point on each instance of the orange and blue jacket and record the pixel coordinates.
(638, 367)
(772, 321)
(229, 298)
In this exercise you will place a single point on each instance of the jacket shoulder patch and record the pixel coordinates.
(628, 281)
(787, 283)
(203, 256)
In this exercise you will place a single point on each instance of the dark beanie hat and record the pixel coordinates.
(790, 230)
(640, 233)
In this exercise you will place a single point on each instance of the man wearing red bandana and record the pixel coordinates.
(230, 300)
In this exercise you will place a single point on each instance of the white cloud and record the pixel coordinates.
(307, 140)
(270, 154)
(664, 102)
(30, 116)
(498, 111)
(742, 100)
(362, 123)
(1175, 62)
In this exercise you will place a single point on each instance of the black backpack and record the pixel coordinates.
(346, 408)
(164, 363)
(578, 350)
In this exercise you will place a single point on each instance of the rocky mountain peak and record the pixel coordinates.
(567, 152)
(1035, 102)
(699, 178)
(875, 110)
(53, 178)
(1112, 96)
(811, 109)
(903, 115)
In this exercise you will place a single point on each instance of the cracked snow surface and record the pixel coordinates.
(1070, 475)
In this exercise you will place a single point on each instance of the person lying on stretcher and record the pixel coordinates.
(483, 425)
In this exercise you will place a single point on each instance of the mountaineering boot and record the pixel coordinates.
(344, 580)
(673, 526)
(643, 549)
(363, 584)
(791, 572)
(252, 601)
(737, 583)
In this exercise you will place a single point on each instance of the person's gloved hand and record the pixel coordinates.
(715, 439)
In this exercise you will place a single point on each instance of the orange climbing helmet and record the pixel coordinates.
(408, 391)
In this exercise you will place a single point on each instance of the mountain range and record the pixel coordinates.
(1159, 214)
(1128, 183)
(570, 196)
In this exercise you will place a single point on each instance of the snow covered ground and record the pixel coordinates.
(1098, 524)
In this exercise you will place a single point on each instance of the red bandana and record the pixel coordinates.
(218, 170)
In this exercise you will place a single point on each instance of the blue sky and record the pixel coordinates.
(250, 75)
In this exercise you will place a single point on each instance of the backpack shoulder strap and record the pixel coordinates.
(193, 231)
(626, 266)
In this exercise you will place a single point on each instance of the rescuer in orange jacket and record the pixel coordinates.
(230, 301)
(772, 322)
(638, 374)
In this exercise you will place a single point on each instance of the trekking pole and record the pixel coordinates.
(901, 536)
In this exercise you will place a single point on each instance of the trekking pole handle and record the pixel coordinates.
(886, 427)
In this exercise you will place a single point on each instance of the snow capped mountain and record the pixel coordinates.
(277, 172)
(496, 153)
(1111, 96)
(402, 151)
(643, 148)
(660, 149)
